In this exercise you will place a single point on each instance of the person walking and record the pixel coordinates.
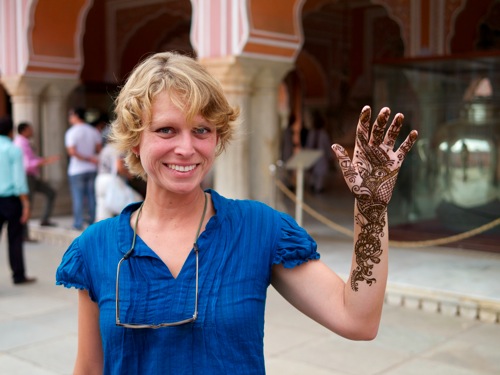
(14, 200)
(177, 284)
(83, 143)
(32, 164)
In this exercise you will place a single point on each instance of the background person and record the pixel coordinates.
(197, 265)
(290, 144)
(83, 143)
(32, 164)
(14, 201)
(111, 166)
(319, 139)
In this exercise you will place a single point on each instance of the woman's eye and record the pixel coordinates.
(201, 131)
(165, 130)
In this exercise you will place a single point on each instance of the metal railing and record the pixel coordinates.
(349, 233)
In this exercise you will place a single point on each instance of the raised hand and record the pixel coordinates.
(372, 173)
(371, 176)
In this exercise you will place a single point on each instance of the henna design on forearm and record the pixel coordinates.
(371, 177)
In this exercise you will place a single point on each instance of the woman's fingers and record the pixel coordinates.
(378, 129)
(370, 157)
(363, 129)
(393, 131)
(407, 145)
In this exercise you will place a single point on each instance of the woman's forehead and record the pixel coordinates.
(176, 102)
(166, 107)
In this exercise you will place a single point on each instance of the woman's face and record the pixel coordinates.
(176, 154)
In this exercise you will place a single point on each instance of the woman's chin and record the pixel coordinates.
(184, 188)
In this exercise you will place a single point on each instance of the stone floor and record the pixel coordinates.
(441, 315)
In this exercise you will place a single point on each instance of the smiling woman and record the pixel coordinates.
(181, 279)
(190, 89)
(186, 147)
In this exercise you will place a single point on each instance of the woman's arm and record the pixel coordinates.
(353, 309)
(89, 358)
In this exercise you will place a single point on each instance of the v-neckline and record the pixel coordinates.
(144, 245)
(197, 236)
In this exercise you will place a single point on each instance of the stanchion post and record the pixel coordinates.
(300, 194)
(272, 170)
(302, 160)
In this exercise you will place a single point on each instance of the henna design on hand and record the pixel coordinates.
(371, 176)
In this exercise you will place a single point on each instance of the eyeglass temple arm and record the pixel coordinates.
(129, 253)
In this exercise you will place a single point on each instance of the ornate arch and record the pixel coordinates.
(55, 34)
(254, 28)
(464, 29)
(313, 79)
(400, 12)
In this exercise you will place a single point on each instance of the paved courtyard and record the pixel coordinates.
(418, 335)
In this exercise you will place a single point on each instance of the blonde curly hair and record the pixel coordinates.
(192, 89)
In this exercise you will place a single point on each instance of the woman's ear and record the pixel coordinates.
(135, 151)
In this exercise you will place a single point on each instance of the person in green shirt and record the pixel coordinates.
(14, 201)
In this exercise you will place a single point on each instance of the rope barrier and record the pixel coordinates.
(407, 244)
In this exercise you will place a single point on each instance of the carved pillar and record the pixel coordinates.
(24, 93)
(26, 108)
(248, 46)
(231, 172)
(265, 128)
(252, 84)
(41, 101)
(54, 119)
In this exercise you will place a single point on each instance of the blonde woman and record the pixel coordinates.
(177, 284)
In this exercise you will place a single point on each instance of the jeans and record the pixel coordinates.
(83, 196)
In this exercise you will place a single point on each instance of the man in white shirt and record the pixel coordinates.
(83, 143)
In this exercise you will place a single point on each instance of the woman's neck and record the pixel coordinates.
(173, 207)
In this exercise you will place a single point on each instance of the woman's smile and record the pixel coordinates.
(182, 168)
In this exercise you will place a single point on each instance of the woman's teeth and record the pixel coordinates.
(181, 168)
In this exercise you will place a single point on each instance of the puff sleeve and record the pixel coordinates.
(295, 246)
(72, 271)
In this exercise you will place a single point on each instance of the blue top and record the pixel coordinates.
(13, 181)
(240, 244)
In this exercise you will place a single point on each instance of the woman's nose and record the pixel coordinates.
(185, 145)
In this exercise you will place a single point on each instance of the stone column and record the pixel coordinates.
(24, 92)
(41, 101)
(252, 85)
(54, 118)
(265, 129)
(232, 168)
(27, 108)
